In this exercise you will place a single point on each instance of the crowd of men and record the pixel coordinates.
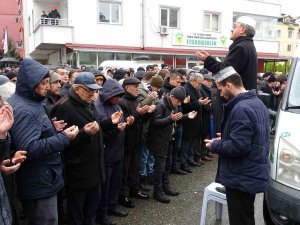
(98, 140)
(114, 136)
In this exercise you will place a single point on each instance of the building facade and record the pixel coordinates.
(10, 20)
(90, 32)
(288, 36)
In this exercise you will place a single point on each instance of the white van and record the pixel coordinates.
(282, 200)
(126, 64)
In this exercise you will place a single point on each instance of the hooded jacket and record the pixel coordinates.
(40, 175)
(244, 148)
(113, 139)
(5, 213)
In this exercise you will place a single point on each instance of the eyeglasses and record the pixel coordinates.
(88, 90)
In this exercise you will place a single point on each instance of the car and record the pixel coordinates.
(281, 203)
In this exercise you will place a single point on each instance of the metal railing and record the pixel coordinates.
(53, 22)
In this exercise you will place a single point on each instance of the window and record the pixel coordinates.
(289, 48)
(290, 34)
(279, 33)
(169, 17)
(105, 56)
(266, 26)
(109, 12)
(123, 56)
(88, 58)
(211, 22)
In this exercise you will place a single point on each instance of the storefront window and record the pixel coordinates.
(102, 56)
(72, 60)
(180, 62)
(168, 59)
(88, 59)
(123, 56)
(152, 57)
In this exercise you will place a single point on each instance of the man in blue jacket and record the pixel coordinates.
(113, 138)
(244, 147)
(40, 177)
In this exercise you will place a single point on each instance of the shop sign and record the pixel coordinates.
(200, 39)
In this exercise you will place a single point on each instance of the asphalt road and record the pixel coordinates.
(184, 209)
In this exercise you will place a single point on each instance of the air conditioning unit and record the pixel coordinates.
(164, 30)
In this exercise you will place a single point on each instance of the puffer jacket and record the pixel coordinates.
(5, 212)
(244, 147)
(40, 175)
(113, 138)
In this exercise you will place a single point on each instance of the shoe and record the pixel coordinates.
(116, 211)
(144, 184)
(221, 189)
(210, 155)
(188, 170)
(178, 171)
(140, 195)
(200, 161)
(126, 202)
(161, 197)
(104, 220)
(170, 192)
(145, 187)
(193, 163)
(206, 158)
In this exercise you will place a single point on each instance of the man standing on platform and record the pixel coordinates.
(244, 147)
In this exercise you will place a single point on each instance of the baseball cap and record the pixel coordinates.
(87, 79)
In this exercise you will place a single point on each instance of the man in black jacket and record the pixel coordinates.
(242, 53)
(160, 141)
(192, 128)
(84, 159)
(133, 114)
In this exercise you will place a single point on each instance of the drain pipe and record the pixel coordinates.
(143, 24)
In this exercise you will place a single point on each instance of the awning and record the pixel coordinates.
(155, 50)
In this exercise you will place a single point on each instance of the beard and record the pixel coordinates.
(228, 96)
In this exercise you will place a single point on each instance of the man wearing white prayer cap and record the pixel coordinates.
(242, 54)
(242, 146)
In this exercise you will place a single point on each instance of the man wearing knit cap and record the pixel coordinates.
(160, 141)
(241, 55)
(243, 147)
(53, 94)
(148, 95)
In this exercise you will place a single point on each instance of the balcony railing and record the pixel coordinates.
(53, 22)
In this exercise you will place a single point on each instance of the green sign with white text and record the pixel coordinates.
(200, 39)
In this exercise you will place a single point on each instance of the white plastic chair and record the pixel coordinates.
(210, 193)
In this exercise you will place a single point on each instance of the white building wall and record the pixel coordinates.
(87, 30)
